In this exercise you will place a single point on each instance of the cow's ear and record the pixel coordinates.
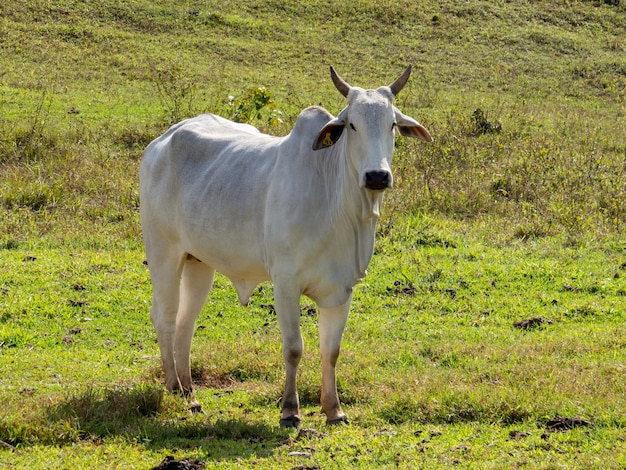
(409, 127)
(329, 135)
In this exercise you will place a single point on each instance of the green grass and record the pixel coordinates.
(482, 230)
(432, 371)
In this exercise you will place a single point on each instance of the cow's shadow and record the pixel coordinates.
(136, 414)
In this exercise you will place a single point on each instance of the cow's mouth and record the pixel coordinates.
(376, 186)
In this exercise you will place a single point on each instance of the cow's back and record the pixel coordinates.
(203, 186)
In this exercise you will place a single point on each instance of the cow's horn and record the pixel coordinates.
(339, 82)
(398, 85)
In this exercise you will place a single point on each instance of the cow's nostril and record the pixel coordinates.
(377, 180)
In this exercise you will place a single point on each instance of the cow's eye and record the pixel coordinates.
(352, 127)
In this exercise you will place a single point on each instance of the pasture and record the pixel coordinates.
(490, 331)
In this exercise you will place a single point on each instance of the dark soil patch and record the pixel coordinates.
(532, 323)
(400, 287)
(169, 463)
(565, 424)
(202, 378)
(517, 435)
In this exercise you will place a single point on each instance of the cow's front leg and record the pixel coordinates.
(287, 303)
(332, 322)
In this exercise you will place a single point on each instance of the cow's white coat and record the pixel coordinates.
(217, 195)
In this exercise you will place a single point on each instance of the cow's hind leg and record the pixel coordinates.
(332, 322)
(197, 279)
(287, 302)
(165, 271)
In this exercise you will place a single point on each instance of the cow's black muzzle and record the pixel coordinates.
(377, 180)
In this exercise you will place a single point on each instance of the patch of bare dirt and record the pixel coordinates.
(517, 435)
(532, 323)
(560, 423)
(169, 463)
(403, 288)
(206, 379)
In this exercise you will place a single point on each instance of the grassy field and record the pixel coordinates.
(495, 302)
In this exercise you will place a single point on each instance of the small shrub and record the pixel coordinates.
(177, 91)
(256, 105)
(482, 125)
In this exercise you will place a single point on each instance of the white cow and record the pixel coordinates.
(300, 210)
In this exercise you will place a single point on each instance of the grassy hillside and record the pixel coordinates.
(495, 300)
(86, 86)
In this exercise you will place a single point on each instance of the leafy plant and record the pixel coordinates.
(256, 105)
(482, 125)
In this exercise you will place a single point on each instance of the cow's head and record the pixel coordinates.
(370, 121)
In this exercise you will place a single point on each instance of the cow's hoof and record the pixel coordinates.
(196, 408)
(291, 422)
(342, 420)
